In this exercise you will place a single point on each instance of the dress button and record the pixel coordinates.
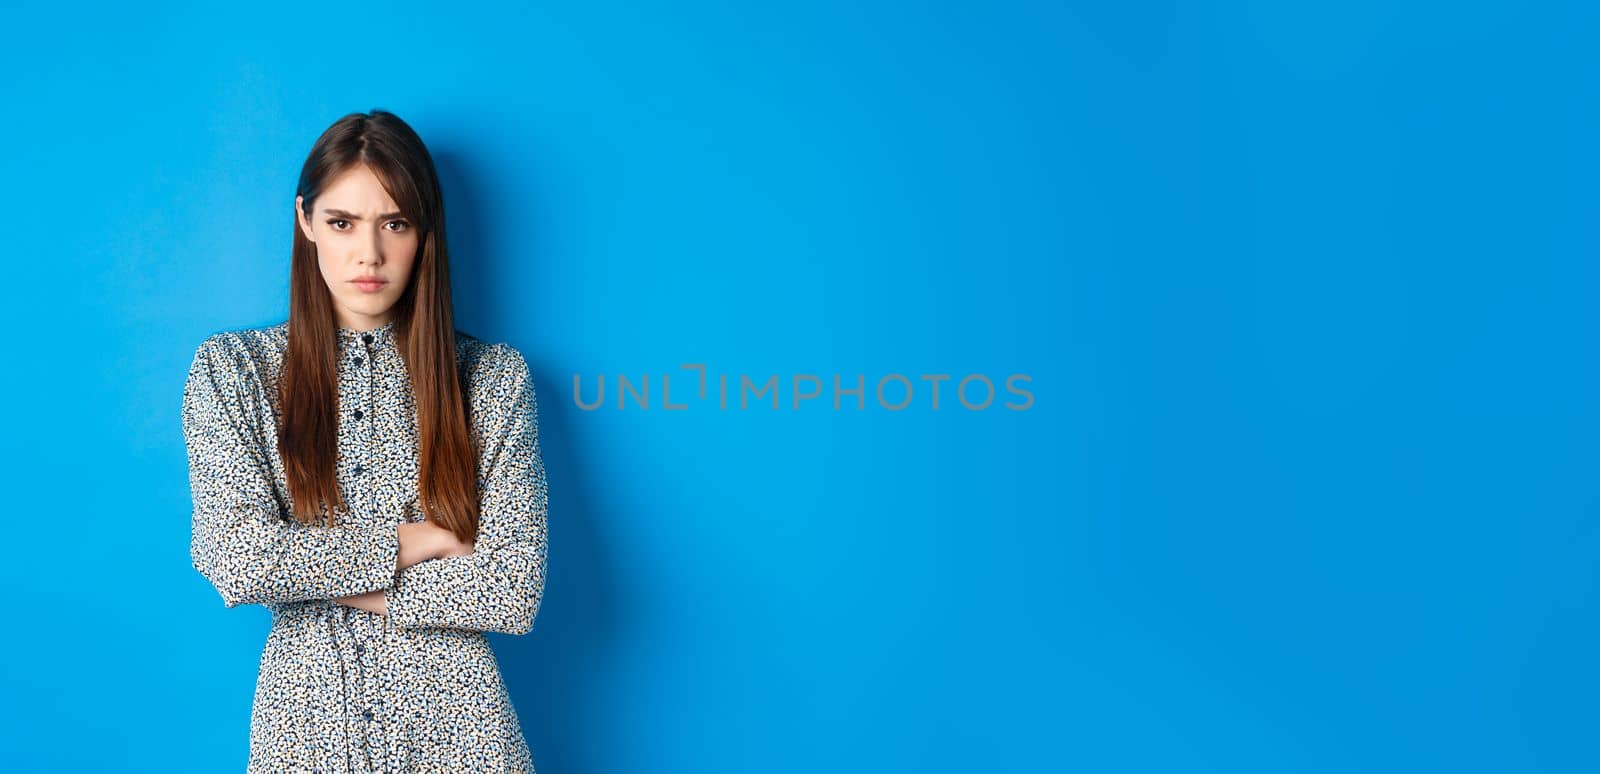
(367, 715)
(357, 360)
(367, 337)
(360, 470)
(358, 413)
(360, 649)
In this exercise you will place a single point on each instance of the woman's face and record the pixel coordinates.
(365, 248)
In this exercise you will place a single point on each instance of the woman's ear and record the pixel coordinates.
(300, 218)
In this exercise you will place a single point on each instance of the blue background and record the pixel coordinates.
(1306, 295)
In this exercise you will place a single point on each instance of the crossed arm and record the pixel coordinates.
(416, 577)
(418, 543)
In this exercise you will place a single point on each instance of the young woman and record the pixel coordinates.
(372, 476)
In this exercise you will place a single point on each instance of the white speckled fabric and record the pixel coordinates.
(340, 689)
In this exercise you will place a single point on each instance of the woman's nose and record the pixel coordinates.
(372, 251)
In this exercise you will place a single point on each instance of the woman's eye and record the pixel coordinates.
(340, 224)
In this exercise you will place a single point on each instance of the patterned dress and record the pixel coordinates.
(340, 689)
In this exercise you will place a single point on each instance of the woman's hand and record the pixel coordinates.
(372, 602)
(424, 540)
(450, 545)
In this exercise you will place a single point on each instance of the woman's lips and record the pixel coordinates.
(368, 286)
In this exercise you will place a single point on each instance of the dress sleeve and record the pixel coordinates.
(241, 541)
(499, 585)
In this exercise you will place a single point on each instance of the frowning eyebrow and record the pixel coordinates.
(353, 216)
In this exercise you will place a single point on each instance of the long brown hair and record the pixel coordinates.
(424, 332)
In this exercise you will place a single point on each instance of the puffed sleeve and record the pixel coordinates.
(499, 585)
(242, 541)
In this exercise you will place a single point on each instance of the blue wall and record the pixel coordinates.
(1306, 298)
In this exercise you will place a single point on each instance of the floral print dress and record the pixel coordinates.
(340, 689)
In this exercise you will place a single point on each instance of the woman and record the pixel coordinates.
(373, 477)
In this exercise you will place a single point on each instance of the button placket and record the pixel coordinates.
(370, 718)
(367, 700)
(367, 383)
(356, 687)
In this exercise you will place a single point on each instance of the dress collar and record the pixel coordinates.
(382, 335)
